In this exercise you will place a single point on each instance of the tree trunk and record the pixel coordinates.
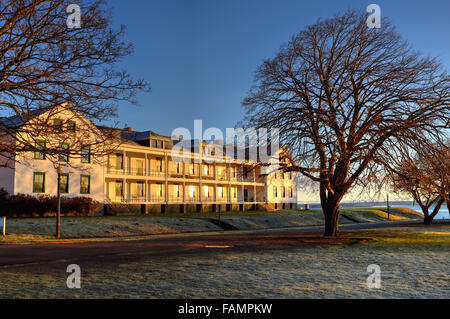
(428, 218)
(448, 207)
(331, 213)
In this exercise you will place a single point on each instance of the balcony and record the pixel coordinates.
(136, 198)
(175, 199)
(157, 198)
(222, 177)
(191, 175)
(115, 171)
(136, 172)
(176, 173)
(156, 173)
(191, 199)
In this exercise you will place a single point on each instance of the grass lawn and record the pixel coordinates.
(28, 229)
(413, 262)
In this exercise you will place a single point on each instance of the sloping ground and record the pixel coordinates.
(86, 227)
(279, 220)
(374, 215)
(90, 227)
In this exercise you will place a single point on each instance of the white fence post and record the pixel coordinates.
(3, 225)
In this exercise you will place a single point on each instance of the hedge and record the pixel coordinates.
(22, 205)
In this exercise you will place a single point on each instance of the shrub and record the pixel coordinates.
(22, 205)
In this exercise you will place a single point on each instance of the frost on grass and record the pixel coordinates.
(416, 267)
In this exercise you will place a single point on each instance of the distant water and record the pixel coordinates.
(443, 212)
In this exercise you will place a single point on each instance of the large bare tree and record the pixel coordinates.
(342, 94)
(46, 61)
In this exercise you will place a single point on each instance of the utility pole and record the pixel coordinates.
(58, 214)
(387, 197)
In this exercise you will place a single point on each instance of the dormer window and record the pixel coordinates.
(157, 144)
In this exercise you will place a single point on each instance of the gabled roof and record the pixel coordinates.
(17, 121)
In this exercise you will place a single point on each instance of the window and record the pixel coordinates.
(233, 172)
(206, 170)
(140, 189)
(57, 124)
(283, 191)
(206, 190)
(85, 184)
(38, 182)
(140, 167)
(159, 165)
(177, 190)
(220, 191)
(159, 188)
(191, 191)
(85, 154)
(40, 147)
(119, 188)
(234, 192)
(64, 156)
(178, 167)
(64, 183)
(119, 161)
(192, 169)
(157, 144)
(71, 126)
(275, 192)
(291, 192)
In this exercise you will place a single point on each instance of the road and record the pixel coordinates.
(40, 257)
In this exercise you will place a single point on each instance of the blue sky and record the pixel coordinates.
(200, 55)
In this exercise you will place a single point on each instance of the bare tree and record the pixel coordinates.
(341, 94)
(46, 62)
(421, 171)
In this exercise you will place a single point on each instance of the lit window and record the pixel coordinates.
(64, 184)
(159, 165)
(119, 188)
(40, 147)
(85, 184)
(159, 190)
(39, 182)
(85, 154)
(119, 161)
(191, 191)
(64, 149)
(140, 189)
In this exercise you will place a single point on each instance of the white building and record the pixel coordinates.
(139, 170)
